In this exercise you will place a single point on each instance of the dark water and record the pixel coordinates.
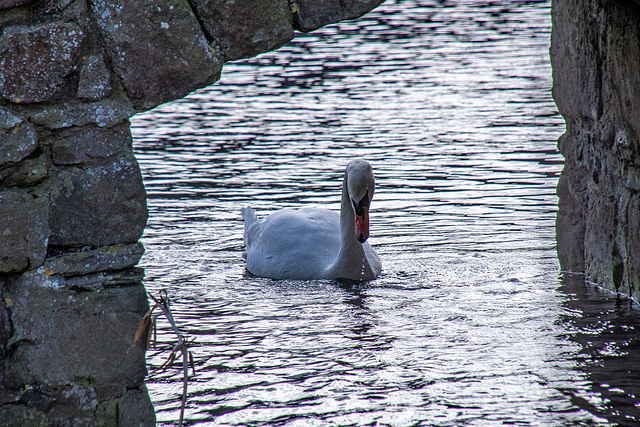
(471, 322)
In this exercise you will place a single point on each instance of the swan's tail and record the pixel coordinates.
(249, 215)
(250, 218)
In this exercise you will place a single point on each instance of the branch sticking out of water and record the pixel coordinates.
(148, 325)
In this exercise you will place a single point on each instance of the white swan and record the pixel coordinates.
(312, 243)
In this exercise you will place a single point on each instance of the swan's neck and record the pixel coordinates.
(351, 262)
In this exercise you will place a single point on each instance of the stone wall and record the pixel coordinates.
(595, 53)
(72, 200)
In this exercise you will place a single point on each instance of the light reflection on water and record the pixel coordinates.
(469, 322)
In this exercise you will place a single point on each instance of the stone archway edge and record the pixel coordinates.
(595, 53)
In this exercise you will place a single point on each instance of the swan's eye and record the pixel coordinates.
(359, 207)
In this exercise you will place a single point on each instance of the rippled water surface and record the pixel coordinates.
(470, 322)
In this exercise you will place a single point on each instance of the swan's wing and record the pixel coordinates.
(293, 244)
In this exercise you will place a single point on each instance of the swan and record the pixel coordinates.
(312, 243)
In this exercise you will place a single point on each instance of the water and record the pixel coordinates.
(471, 322)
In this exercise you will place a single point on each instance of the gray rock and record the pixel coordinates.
(73, 366)
(96, 281)
(20, 415)
(103, 204)
(85, 144)
(17, 137)
(244, 28)
(34, 61)
(104, 258)
(578, 95)
(8, 120)
(63, 10)
(599, 237)
(633, 262)
(103, 279)
(132, 409)
(24, 230)
(28, 172)
(157, 49)
(7, 4)
(595, 56)
(312, 14)
(106, 113)
(104, 325)
(569, 228)
(124, 277)
(95, 80)
(6, 330)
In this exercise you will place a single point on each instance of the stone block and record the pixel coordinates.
(63, 10)
(6, 331)
(620, 77)
(95, 79)
(34, 61)
(244, 28)
(132, 408)
(8, 4)
(594, 53)
(102, 204)
(102, 279)
(570, 226)
(313, 14)
(28, 172)
(103, 258)
(633, 237)
(92, 351)
(20, 415)
(105, 113)
(24, 230)
(574, 53)
(75, 349)
(157, 48)
(17, 137)
(599, 237)
(89, 143)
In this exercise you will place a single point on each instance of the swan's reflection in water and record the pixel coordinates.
(468, 323)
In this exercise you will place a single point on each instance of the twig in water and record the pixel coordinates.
(182, 345)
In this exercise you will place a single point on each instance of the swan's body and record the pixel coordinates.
(313, 243)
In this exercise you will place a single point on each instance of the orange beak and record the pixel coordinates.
(362, 225)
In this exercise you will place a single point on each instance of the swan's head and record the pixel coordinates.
(360, 186)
